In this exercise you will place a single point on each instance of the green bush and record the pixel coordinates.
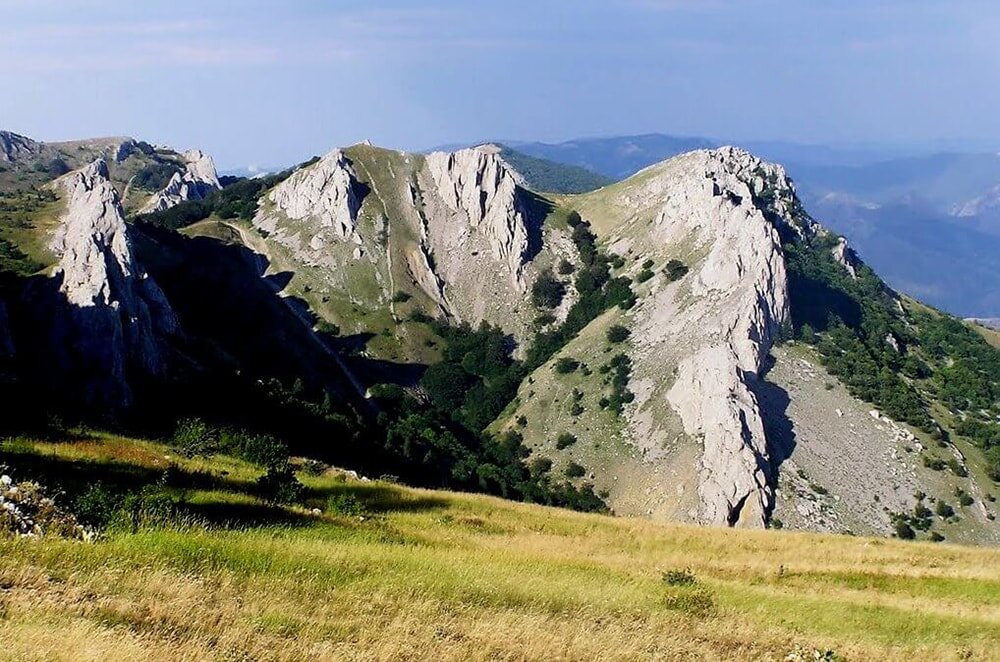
(279, 485)
(194, 437)
(644, 275)
(565, 440)
(617, 334)
(697, 602)
(942, 509)
(540, 466)
(565, 267)
(903, 530)
(675, 270)
(345, 505)
(400, 297)
(565, 365)
(547, 291)
(679, 578)
(934, 463)
(574, 470)
(957, 468)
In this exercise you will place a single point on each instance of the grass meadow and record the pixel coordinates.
(385, 572)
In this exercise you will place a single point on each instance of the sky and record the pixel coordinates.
(275, 82)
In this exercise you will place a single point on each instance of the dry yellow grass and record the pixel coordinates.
(436, 575)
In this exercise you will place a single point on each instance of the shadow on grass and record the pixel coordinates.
(377, 498)
(75, 476)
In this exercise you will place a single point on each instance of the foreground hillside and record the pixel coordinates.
(381, 571)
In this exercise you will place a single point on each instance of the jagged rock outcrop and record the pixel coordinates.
(14, 147)
(845, 255)
(718, 324)
(325, 194)
(111, 319)
(196, 181)
(478, 183)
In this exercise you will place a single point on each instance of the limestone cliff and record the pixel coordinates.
(453, 230)
(479, 184)
(111, 318)
(197, 179)
(14, 147)
(323, 202)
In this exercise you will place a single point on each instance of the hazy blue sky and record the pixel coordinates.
(277, 81)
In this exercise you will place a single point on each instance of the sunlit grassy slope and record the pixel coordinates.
(438, 575)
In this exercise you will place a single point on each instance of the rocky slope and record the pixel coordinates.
(14, 147)
(700, 355)
(197, 180)
(454, 234)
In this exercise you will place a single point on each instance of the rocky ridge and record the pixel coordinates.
(197, 180)
(478, 183)
(14, 147)
(723, 320)
(113, 317)
(324, 195)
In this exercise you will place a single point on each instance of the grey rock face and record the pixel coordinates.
(843, 254)
(478, 183)
(14, 147)
(717, 325)
(324, 194)
(198, 180)
(113, 317)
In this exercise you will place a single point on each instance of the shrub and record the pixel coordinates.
(328, 328)
(547, 291)
(903, 530)
(544, 320)
(576, 409)
(574, 470)
(345, 505)
(943, 509)
(936, 537)
(694, 602)
(27, 510)
(401, 297)
(644, 275)
(262, 450)
(675, 270)
(565, 440)
(97, 506)
(648, 264)
(679, 578)
(964, 498)
(279, 485)
(565, 365)
(194, 437)
(934, 463)
(617, 334)
(540, 466)
(565, 267)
